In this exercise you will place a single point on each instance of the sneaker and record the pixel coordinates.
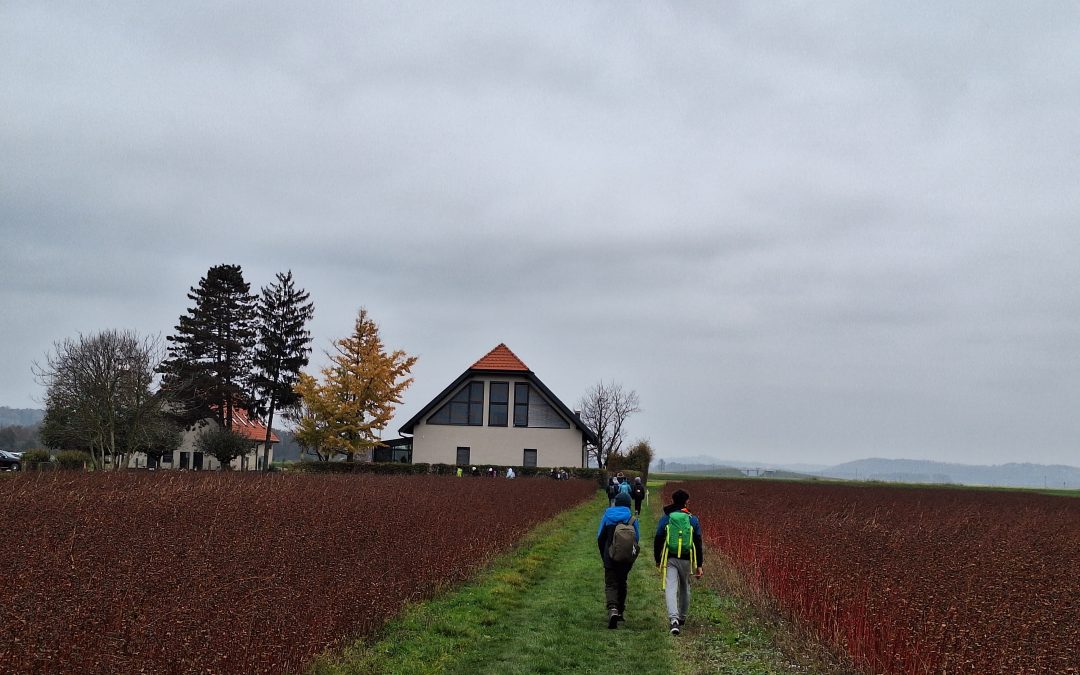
(621, 617)
(674, 626)
(613, 619)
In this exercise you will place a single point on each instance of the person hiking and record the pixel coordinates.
(637, 493)
(612, 490)
(678, 552)
(618, 549)
(624, 485)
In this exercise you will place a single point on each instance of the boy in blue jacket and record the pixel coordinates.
(612, 546)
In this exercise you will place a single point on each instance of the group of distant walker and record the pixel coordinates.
(677, 549)
(491, 472)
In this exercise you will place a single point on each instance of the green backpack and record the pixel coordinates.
(680, 534)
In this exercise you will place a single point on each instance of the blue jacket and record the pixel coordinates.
(613, 515)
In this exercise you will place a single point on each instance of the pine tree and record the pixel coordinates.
(208, 372)
(282, 349)
(360, 389)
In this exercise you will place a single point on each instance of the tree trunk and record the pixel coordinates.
(269, 430)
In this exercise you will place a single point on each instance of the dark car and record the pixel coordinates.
(10, 461)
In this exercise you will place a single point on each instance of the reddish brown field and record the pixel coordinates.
(183, 572)
(909, 580)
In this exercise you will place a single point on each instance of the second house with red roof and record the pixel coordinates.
(498, 412)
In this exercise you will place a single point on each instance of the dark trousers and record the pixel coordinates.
(615, 587)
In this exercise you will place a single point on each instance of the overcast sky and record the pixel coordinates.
(802, 232)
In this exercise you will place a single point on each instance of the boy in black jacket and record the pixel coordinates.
(681, 557)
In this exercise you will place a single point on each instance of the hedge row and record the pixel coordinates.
(422, 468)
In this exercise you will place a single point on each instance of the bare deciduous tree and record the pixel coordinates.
(604, 409)
(98, 394)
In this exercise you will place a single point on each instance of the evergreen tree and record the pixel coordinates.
(282, 349)
(208, 372)
(356, 399)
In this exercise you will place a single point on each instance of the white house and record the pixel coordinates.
(187, 457)
(498, 412)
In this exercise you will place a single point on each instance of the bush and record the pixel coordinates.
(635, 461)
(222, 444)
(360, 467)
(32, 459)
(394, 468)
(72, 459)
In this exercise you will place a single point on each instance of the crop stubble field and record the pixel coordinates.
(909, 580)
(219, 572)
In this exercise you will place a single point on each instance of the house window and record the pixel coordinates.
(530, 457)
(466, 408)
(462, 456)
(498, 400)
(521, 404)
(543, 415)
(184, 460)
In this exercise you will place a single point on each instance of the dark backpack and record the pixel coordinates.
(622, 548)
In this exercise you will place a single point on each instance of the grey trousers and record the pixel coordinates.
(677, 588)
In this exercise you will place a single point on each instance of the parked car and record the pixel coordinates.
(10, 461)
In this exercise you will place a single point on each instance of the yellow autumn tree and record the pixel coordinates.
(347, 410)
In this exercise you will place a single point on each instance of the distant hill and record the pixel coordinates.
(892, 470)
(20, 417)
(923, 471)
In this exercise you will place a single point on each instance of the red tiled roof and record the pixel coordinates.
(251, 429)
(500, 358)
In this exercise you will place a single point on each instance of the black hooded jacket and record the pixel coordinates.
(660, 540)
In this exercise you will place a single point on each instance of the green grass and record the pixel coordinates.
(540, 609)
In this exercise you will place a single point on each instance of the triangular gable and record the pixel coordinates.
(500, 360)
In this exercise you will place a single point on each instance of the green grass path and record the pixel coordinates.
(540, 609)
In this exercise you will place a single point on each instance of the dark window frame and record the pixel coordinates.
(464, 409)
(525, 457)
(521, 405)
(468, 455)
(498, 409)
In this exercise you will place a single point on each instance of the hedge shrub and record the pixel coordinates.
(422, 468)
(32, 459)
(72, 459)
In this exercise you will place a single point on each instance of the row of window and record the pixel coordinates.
(466, 407)
(463, 456)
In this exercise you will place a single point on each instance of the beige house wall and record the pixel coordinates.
(504, 446)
